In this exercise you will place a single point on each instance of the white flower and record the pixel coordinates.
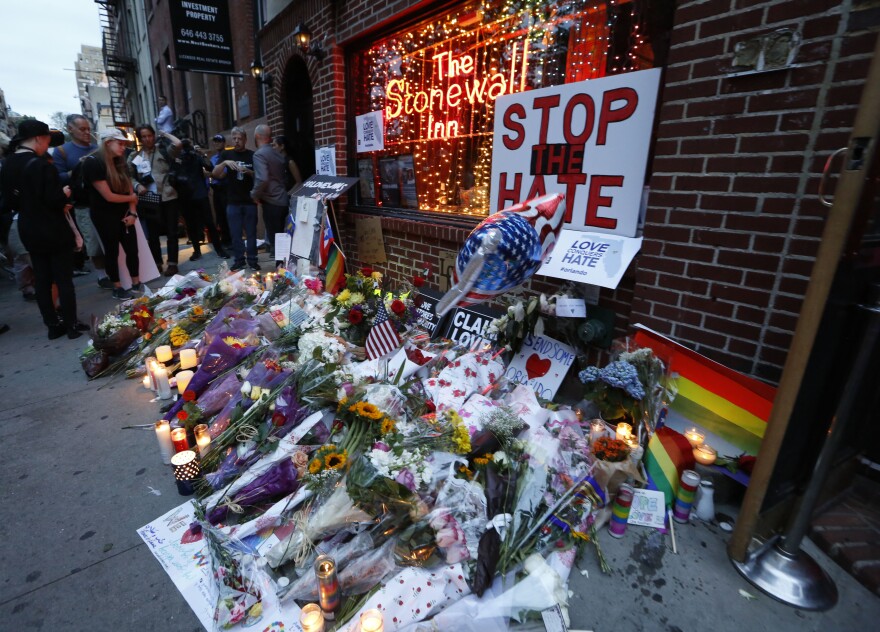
(519, 312)
(246, 388)
(500, 457)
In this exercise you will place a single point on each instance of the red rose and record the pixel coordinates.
(355, 316)
(746, 462)
(418, 281)
(367, 272)
(182, 415)
(429, 405)
(279, 419)
(398, 307)
(189, 395)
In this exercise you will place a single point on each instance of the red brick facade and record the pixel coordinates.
(733, 221)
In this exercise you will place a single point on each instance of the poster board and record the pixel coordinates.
(370, 131)
(389, 178)
(591, 258)
(648, 509)
(325, 161)
(306, 223)
(370, 241)
(469, 326)
(407, 171)
(541, 364)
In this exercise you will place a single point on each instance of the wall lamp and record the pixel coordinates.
(260, 74)
(303, 37)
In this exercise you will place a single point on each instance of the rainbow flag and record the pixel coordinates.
(334, 277)
(669, 453)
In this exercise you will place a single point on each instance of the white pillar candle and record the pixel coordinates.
(183, 379)
(188, 358)
(149, 363)
(163, 386)
(147, 382)
(270, 282)
(163, 436)
(163, 353)
(371, 621)
(203, 439)
(597, 430)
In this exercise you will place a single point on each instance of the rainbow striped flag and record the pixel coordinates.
(334, 277)
(669, 453)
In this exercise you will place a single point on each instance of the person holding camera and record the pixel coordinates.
(192, 190)
(150, 169)
(237, 166)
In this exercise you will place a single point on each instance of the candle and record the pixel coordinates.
(623, 431)
(328, 585)
(694, 436)
(186, 470)
(705, 454)
(163, 386)
(150, 363)
(178, 438)
(270, 282)
(163, 353)
(203, 439)
(597, 430)
(632, 442)
(163, 436)
(311, 618)
(371, 621)
(188, 358)
(147, 382)
(183, 378)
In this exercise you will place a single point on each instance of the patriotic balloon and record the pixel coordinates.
(504, 250)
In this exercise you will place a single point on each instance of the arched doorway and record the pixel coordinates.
(299, 120)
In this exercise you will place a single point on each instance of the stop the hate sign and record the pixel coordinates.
(588, 140)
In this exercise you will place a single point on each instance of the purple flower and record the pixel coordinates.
(406, 478)
(384, 447)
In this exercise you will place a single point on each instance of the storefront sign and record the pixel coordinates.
(370, 131)
(541, 364)
(591, 258)
(202, 38)
(588, 140)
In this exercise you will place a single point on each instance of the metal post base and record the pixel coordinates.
(796, 580)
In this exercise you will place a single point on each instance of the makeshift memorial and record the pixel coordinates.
(612, 467)
(620, 511)
(163, 436)
(684, 498)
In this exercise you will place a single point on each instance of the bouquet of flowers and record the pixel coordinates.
(615, 389)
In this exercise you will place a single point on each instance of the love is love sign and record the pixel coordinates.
(541, 364)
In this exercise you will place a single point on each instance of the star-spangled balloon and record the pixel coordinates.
(504, 251)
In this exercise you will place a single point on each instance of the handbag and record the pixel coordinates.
(148, 205)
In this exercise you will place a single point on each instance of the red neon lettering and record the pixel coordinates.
(597, 200)
(590, 113)
(545, 104)
(519, 131)
(608, 116)
(508, 195)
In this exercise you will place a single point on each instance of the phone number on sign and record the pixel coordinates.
(202, 35)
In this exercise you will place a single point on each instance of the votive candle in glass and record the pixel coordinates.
(163, 386)
(188, 358)
(183, 378)
(328, 585)
(705, 454)
(311, 618)
(632, 442)
(623, 431)
(164, 354)
(203, 439)
(371, 621)
(178, 438)
(148, 384)
(163, 436)
(694, 436)
(597, 430)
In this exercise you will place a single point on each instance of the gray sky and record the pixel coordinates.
(40, 39)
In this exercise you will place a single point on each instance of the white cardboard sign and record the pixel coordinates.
(588, 140)
(648, 509)
(541, 364)
(592, 258)
(370, 132)
(325, 161)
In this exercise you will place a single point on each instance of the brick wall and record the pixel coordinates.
(733, 222)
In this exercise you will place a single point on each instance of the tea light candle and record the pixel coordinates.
(597, 430)
(163, 353)
(183, 379)
(178, 438)
(311, 618)
(623, 431)
(188, 358)
(371, 621)
(705, 454)
(203, 439)
(632, 442)
(694, 436)
(163, 386)
(163, 436)
(270, 282)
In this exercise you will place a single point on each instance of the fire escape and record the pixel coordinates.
(118, 62)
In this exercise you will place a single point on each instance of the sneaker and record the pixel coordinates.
(56, 331)
(137, 288)
(255, 267)
(195, 256)
(238, 265)
(121, 294)
(171, 270)
(82, 272)
(105, 283)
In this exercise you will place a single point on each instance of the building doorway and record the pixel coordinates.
(299, 120)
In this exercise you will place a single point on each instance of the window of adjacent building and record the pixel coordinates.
(437, 81)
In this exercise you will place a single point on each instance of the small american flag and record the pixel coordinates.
(383, 338)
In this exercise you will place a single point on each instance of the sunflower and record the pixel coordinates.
(336, 460)
(483, 460)
(314, 466)
(368, 410)
(388, 425)
(342, 403)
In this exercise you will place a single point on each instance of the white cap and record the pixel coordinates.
(113, 133)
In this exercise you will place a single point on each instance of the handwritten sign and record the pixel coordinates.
(541, 364)
(648, 509)
(371, 244)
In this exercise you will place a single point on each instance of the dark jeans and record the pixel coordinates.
(200, 218)
(243, 217)
(57, 268)
(114, 233)
(219, 192)
(273, 217)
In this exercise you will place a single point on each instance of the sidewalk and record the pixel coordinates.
(74, 487)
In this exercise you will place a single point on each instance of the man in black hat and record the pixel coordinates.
(32, 189)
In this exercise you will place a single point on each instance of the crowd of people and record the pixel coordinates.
(103, 201)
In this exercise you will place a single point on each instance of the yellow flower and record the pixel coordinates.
(387, 425)
(461, 438)
(342, 403)
(479, 460)
(336, 460)
(343, 297)
(368, 410)
(198, 311)
(377, 275)
(178, 336)
(357, 298)
(314, 466)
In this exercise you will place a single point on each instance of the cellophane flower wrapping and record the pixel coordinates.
(470, 373)
(281, 479)
(344, 551)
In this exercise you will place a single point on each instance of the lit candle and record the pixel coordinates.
(597, 430)
(147, 382)
(163, 353)
(270, 282)
(311, 618)
(163, 386)
(705, 454)
(151, 366)
(328, 585)
(632, 442)
(178, 438)
(371, 621)
(623, 431)
(163, 436)
(183, 378)
(203, 438)
(694, 436)
(188, 358)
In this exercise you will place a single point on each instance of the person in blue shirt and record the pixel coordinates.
(165, 120)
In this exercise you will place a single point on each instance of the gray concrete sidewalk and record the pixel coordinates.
(74, 487)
